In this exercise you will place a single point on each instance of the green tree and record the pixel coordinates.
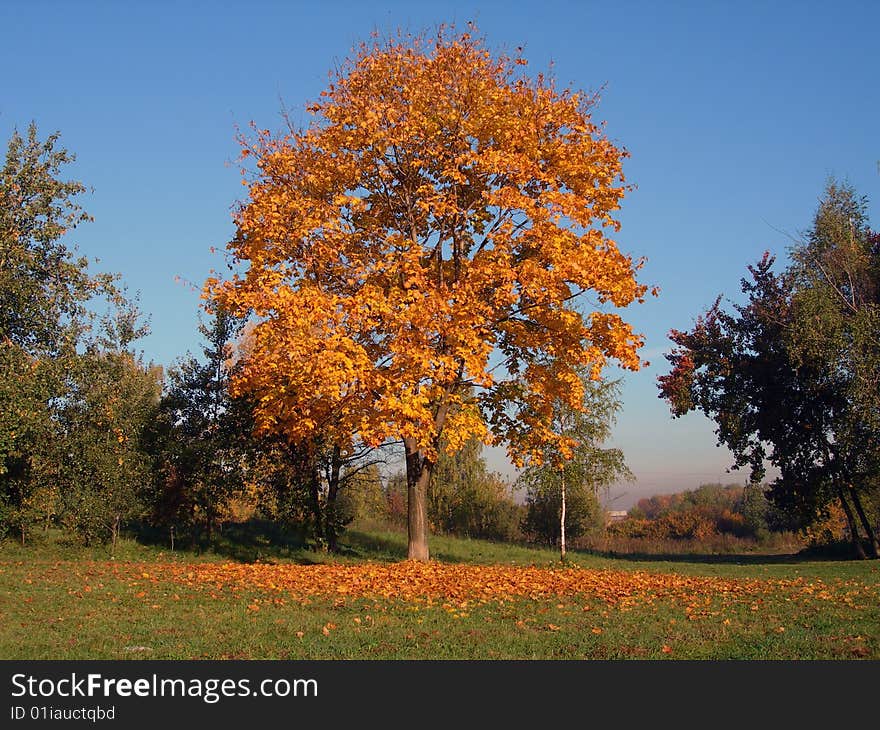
(364, 497)
(44, 293)
(332, 473)
(103, 466)
(543, 519)
(315, 486)
(203, 449)
(754, 507)
(465, 498)
(836, 321)
(562, 491)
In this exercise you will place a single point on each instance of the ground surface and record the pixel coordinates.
(251, 598)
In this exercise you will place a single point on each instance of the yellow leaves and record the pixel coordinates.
(459, 586)
(440, 203)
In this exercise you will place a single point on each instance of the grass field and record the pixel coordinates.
(255, 597)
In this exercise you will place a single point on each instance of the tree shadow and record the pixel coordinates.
(363, 545)
(718, 558)
(245, 542)
(387, 549)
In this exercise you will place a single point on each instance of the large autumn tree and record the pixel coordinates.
(415, 257)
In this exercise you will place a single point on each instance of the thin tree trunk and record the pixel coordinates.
(562, 517)
(853, 527)
(195, 528)
(330, 509)
(315, 493)
(418, 476)
(866, 523)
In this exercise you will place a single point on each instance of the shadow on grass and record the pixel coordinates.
(263, 541)
(391, 546)
(246, 542)
(802, 556)
(372, 546)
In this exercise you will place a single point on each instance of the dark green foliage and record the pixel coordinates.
(203, 439)
(50, 361)
(791, 375)
(363, 498)
(583, 513)
(43, 287)
(104, 470)
(465, 498)
(836, 321)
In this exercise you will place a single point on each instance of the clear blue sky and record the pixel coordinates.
(734, 114)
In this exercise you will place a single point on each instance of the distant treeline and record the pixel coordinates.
(711, 509)
(715, 511)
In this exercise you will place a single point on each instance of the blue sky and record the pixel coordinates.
(734, 114)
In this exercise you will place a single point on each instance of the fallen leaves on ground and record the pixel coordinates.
(461, 584)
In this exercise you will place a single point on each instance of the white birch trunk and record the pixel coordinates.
(562, 517)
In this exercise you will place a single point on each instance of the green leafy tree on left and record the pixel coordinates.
(44, 292)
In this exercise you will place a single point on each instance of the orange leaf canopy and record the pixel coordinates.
(414, 254)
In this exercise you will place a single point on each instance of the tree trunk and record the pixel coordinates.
(332, 539)
(315, 494)
(562, 517)
(195, 529)
(873, 545)
(418, 476)
(853, 527)
(330, 526)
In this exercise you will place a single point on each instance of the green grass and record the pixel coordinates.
(61, 601)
